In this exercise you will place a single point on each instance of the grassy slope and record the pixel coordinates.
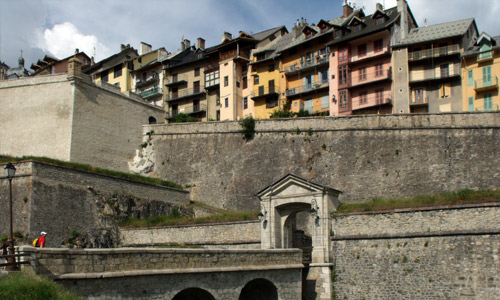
(23, 286)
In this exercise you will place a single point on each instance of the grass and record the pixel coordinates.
(23, 286)
(179, 220)
(454, 198)
(88, 168)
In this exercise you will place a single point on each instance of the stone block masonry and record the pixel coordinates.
(434, 253)
(363, 156)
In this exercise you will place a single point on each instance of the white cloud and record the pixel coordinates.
(62, 40)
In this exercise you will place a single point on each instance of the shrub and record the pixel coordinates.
(183, 118)
(248, 127)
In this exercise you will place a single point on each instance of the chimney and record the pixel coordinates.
(187, 43)
(74, 67)
(201, 43)
(122, 47)
(379, 7)
(226, 36)
(402, 7)
(144, 48)
(347, 10)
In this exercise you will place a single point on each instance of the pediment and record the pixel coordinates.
(293, 185)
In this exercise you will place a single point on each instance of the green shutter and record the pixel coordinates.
(470, 78)
(471, 103)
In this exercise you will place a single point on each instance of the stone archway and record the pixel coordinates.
(193, 294)
(261, 289)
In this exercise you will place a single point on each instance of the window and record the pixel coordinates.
(362, 50)
(196, 72)
(307, 59)
(271, 68)
(363, 97)
(471, 103)
(343, 55)
(419, 96)
(212, 78)
(487, 76)
(217, 115)
(196, 105)
(445, 90)
(378, 45)
(379, 20)
(379, 95)
(324, 102)
(196, 87)
(237, 84)
(226, 102)
(226, 80)
(104, 76)
(256, 79)
(309, 106)
(245, 82)
(217, 101)
(343, 75)
(272, 37)
(324, 29)
(244, 69)
(117, 70)
(271, 86)
(356, 27)
(444, 70)
(245, 102)
(338, 33)
(261, 56)
(379, 71)
(343, 98)
(271, 102)
(488, 102)
(470, 78)
(362, 74)
(323, 76)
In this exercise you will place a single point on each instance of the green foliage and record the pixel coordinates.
(183, 118)
(280, 114)
(23, 286)
(453, 198)
(88, 168)
(75, 233)
(303, 113)
(174, 219)
(247, 127)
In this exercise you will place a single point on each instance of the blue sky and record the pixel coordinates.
(57, 27)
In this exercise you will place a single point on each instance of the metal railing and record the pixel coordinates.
(306, 64)
(184, 93)
(171, 80)
(264, 90)
(17, 256)
(307, 88)
(485, 55)
(485, 84)
(434, 52)
(186, 110)
(367, 55)
(151, 92)
(419, 100)
(358, 78)
(372, 99)
(440, 75)
(150, 80)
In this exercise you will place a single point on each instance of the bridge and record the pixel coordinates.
(147, 273)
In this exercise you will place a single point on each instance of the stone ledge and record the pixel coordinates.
(416, 235)
(172, 271)
(425, 208)
(191, 225)
(209, 243)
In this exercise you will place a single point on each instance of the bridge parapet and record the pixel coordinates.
(119, 262)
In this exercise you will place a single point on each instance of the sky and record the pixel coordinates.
(99, 27)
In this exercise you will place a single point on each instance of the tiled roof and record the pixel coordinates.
(264, 34)
(474, 49)
(436, 32)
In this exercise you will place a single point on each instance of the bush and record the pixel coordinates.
(184, 118)
(22, 286)
(281, 114)
(247, 127)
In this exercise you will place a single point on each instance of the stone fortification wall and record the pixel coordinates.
(72, 119)
(65, 202)
(440, 253)
(231, 235)
(363, 156)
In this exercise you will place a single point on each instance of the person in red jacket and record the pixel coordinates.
(41, 240)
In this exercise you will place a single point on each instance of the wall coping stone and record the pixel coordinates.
(417, 209)
(209, 243)
(190, 225)
(173, 271)
(415, 235)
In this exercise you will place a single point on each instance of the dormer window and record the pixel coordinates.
(338, 33)
(379, 20)
(356, 28)
(309, 35)
(324, 30)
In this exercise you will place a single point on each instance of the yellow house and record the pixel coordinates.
(480, 72)
(116, 69)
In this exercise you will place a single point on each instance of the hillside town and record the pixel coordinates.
(378, 61)
(350, 158)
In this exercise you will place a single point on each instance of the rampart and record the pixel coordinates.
(434, 253)
(363, 156)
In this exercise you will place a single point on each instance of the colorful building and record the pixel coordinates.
(147, 75)
(428, 61)
(480, 72)
(361, 60)
(116, 69)
(51, 65)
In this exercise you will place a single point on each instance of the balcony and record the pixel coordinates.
(484, 56)
(308, 88)
(486, 85)
(306, 65)
(263, 91)
(420, 101)
(371, 100)
(175, 80)
(360, 79)
(184, 94)
(212, 84)
(189, 110)
(433, 53)
(148, 81)
(156, 91)
(443, 75)
(384, 51)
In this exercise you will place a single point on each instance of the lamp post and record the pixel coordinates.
(10, 171)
